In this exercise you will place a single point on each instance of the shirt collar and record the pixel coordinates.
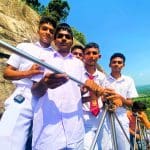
(95, 74)
(57, 54)
(122, 78)
(50, 48)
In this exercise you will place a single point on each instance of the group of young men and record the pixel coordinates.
(60, 113)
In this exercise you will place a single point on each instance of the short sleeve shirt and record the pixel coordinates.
(22, 63)
(124, 86)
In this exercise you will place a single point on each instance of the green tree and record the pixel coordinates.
(34, 4)
(58, 10)
(79, 36)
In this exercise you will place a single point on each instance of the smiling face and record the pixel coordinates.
(46, 33)
(91, 56)
(63, 41)
(116, 64)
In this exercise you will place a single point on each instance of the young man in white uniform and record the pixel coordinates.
(91, 56)
(58, 121)
(77, 51)
(121, 87)
(17, 119)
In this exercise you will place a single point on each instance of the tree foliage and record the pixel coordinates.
(58, 10)
(36, 5)
(79, 36)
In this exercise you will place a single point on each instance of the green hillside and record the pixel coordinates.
(144, 95)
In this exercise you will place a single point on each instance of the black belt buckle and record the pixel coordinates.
(19, 98)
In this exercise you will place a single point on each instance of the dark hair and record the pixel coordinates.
(118, 55)
(63, 26)
(91, 45)
(48, 20)
(138, 106)
(77, 47)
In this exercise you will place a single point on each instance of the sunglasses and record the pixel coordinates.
(67, 36)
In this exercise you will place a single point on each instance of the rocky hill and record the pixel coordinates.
(18, 23)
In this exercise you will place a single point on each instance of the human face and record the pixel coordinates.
(63, 42)
(46, 33)
(116, 64)
(78, 53)
(91, 56)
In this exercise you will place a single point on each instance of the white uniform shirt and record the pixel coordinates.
(90, 120)
(58, 119)
(124, 86)
(99, 79)
(17, 118)
(22, 63)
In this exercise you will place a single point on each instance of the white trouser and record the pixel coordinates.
(105, 139)
(16, 121)
(88, 140)
(91, 124)
(76, 146)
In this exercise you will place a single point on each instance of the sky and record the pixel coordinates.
(117, 26)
